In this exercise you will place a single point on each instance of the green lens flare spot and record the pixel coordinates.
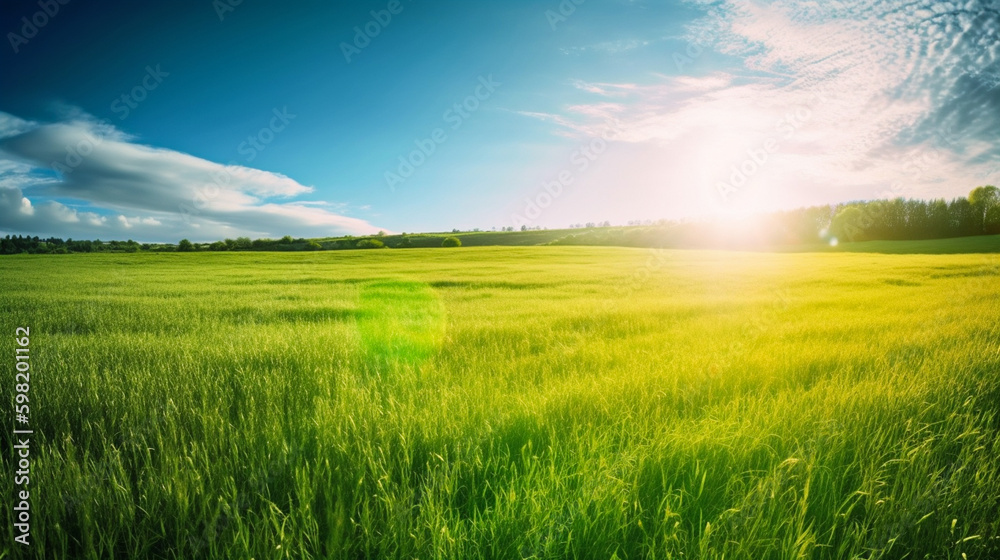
(400, 321)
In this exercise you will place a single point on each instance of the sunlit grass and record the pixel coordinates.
(549, 402)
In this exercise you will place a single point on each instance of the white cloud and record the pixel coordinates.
(11, 125)
(608, 47)
(148, 193)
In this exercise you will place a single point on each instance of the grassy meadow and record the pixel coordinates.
(509, 402)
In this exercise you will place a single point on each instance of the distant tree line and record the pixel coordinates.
(13, 244)
(897, 219)
(977, 214)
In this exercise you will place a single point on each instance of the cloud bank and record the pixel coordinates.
(84, 178)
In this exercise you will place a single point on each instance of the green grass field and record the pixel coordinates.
(509, 402)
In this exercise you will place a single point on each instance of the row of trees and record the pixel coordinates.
(979, 214)
(897, 219)
(13, 244)
(286, 243)
(378, 241)
(510, 228)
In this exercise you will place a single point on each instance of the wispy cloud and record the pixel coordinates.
(84, 178)
(608, 47)
(880, 98)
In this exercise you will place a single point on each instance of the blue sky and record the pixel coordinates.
(216, 119)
